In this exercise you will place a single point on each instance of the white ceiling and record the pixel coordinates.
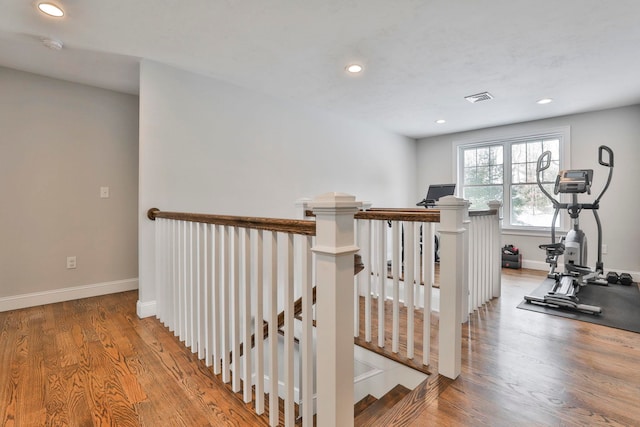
(421, 57)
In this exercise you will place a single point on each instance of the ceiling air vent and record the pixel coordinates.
(482, 96)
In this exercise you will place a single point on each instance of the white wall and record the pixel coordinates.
(619, 129)
(60, 143)
(207, 146)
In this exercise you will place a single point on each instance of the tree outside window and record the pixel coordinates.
(505, 170)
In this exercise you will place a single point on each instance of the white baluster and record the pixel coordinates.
(158, 268)
(358, 284)
(217, 234)
(307, 333)
(495, 251)
(395, 272)
(366, 275)
(258, 321)
(473, 297)
(199, 300)
(191, 291)
(382, 278)
(289, 400)
(485, 264)
(428, 258)
(409, 269)
(208, 299)
(273, 334)
(204, 293)
(235, 359)
(225, 305)
(247, 318)
(175, 280)
(184, 284)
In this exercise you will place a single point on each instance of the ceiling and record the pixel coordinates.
(420, 57)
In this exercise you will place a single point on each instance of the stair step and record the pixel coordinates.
(415, 402)
(363, 404)
(382, 405)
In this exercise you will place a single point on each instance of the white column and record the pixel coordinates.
(452, 262)
(334, 248)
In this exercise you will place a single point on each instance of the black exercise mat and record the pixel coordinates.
(620, 305)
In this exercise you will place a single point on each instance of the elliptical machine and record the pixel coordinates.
(574, 245)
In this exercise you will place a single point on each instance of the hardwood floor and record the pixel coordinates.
(531, 369)
(93, 362)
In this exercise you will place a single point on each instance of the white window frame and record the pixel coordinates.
(506, 138)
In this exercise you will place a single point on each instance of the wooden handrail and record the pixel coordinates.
(486, 212)
(292, 226)
(430, 215)
(395, 214)
(407, 214)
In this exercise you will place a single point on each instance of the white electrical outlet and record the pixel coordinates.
(604, 248)
(104, 192)
(71, 262)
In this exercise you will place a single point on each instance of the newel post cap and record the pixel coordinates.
(334, 200)
(494, 204)
(452, 202)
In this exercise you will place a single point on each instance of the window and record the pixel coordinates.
(505, 170)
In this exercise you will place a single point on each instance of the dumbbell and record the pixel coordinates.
(612, 277)
(626, 279)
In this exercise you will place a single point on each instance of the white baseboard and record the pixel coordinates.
(145, 309)
(535, 265)
(66, 294)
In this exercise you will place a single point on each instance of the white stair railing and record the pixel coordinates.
(409, 246)
(484, 256)
(220, 280)
(469, 276)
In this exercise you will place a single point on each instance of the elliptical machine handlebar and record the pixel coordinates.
(544, 162)
(609, 151)
(609, 164)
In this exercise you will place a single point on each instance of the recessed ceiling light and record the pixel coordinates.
(544, 101)
(354, 68)
(441, 121)
(51, 9)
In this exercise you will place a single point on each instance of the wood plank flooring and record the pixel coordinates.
(531, 369)
(93, 362)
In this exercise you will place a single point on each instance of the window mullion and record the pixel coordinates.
(506, 180)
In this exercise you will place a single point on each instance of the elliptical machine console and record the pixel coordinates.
(573, 246)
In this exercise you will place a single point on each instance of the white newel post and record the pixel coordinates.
(466, 286)
(334, 248)
(496, 245)
(453, 212)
